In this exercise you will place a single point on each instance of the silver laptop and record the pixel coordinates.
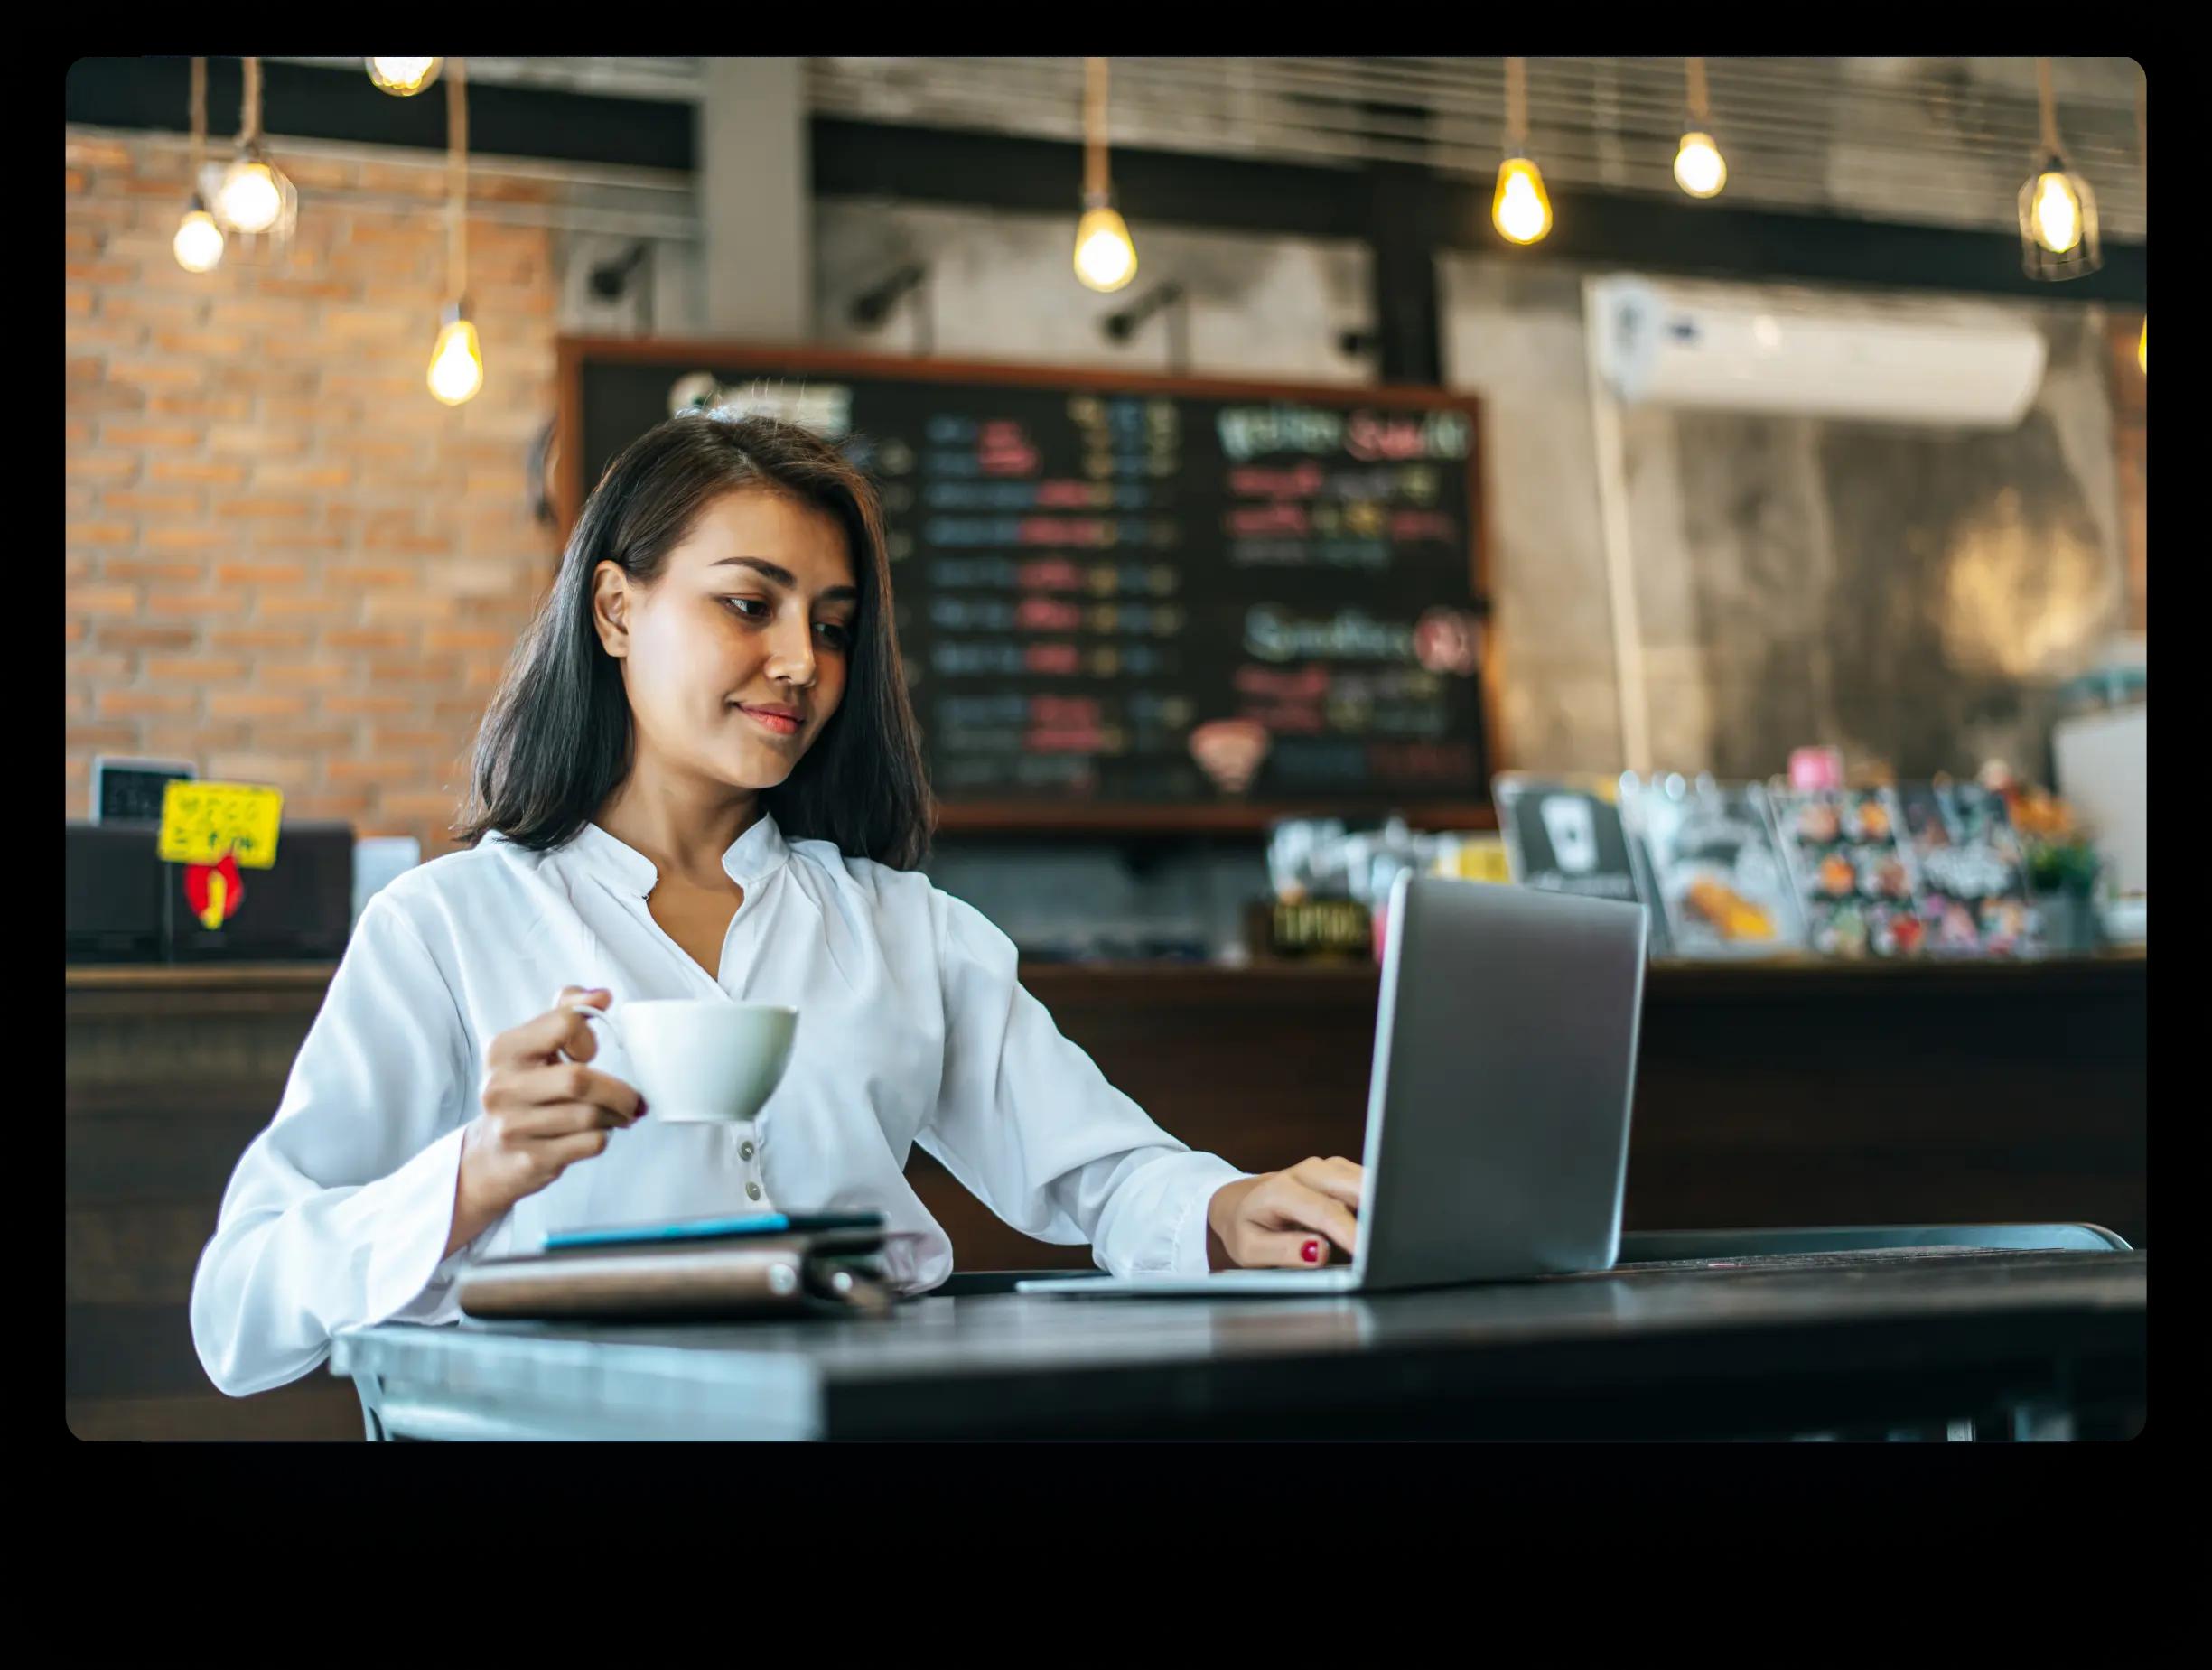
(1498, 1112)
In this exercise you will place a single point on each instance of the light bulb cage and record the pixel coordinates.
(2036, 259)
(270, 240)
(429, 80)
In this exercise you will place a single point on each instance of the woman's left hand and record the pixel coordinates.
(1285, 1219)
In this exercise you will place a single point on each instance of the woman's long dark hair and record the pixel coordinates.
(555, 741)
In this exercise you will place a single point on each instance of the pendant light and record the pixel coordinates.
(402, 78)
(199, 242)
(457, 363)
(1521, 209)
(1104, 258)
(1698, 167)
(2057, 210)
(254, 199)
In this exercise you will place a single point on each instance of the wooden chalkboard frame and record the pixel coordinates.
(572, 354)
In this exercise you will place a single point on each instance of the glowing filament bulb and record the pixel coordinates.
(1520, 210)
(457, 363)
(249, 198)
(199, 242)
(2058, 213)
(1104, 258)
(1698, 167)
(402, 76)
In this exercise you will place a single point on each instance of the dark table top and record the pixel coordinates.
(1655, 1351)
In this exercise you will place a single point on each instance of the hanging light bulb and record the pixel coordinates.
(457, 363)
(2057, 223)
(2057, 210)
(1520, 209)
(199, 242)
(251, 195)
(251, 200)
(1698, 167)
(402, 78)
(1106, 259)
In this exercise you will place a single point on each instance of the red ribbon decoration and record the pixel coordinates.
(198, 891)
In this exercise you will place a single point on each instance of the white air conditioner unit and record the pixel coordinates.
(1958, 364)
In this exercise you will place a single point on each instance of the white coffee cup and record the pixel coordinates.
(705, 1060)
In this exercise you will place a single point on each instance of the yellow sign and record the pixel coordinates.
(202, 821)
(1482, 858)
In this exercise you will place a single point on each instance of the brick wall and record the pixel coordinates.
(284, 560)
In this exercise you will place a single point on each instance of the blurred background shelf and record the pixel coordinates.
(1032, 818)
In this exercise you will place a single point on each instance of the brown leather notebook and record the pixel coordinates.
(828, 1273)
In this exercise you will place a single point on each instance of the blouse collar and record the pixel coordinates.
(752, 858)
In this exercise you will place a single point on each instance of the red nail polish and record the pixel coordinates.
(1311, 1252)
(641, 1113)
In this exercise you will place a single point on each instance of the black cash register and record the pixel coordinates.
(122, 904)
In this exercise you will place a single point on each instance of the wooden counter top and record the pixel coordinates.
(281, 984)
(1802, 1092)
(181, 976)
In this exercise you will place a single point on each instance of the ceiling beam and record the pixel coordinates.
(307, 101)
(1040, 176)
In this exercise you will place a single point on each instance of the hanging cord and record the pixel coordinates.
(1517, 103)
(249, 113)
(1094, 128)
(200, 118)
(2050, 107)
(457, 178)
(1701, 102)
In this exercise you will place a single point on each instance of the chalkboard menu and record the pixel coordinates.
(1123, 593)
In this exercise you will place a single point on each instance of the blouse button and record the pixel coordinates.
(746, 1151)
(752, 1190)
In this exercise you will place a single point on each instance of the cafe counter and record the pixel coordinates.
(1773, 1092)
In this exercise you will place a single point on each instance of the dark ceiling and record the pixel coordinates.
(860, 158)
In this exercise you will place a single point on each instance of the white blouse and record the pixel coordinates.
(913, 1029)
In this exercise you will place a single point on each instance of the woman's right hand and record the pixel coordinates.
(543, 1111)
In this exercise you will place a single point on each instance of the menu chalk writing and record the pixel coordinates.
(1144, 594)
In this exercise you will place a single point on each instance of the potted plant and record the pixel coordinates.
(2064, 867)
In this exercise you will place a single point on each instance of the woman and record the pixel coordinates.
(701, 776)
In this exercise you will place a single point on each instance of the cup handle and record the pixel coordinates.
(590, 1013)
